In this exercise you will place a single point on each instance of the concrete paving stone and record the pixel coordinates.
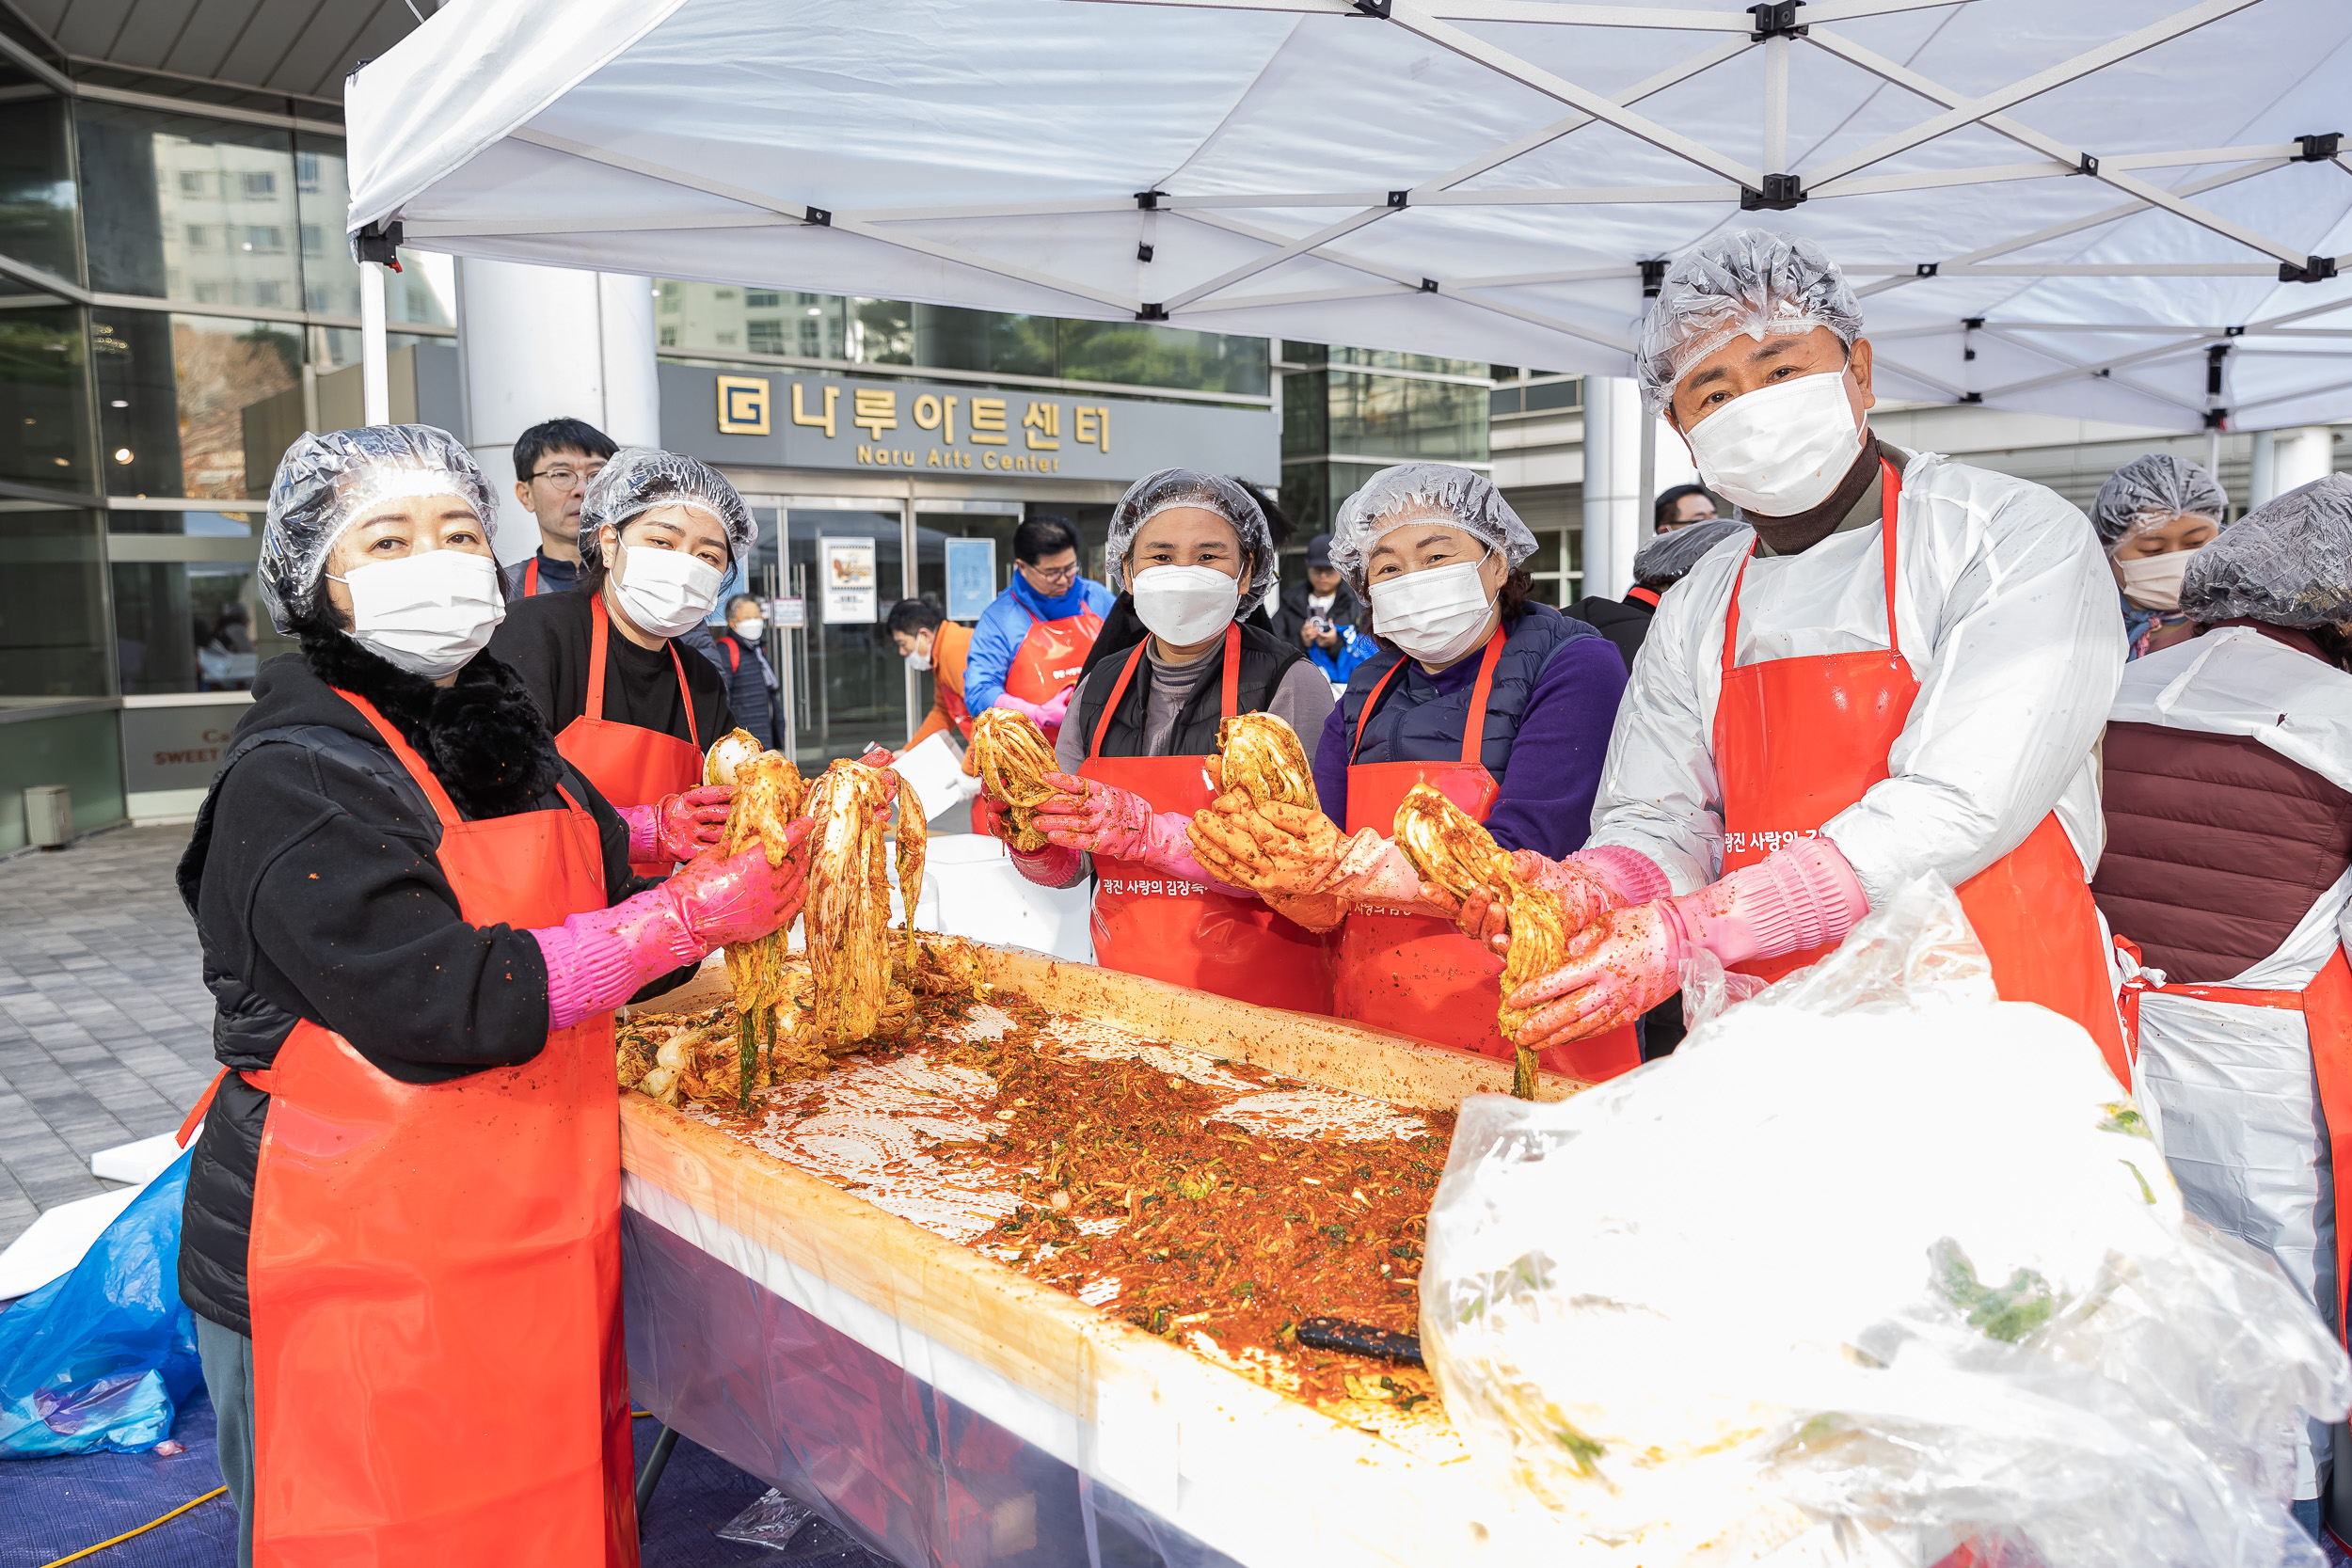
(30, 1158)
(47, 1192)
(30, 1007)
(118, 1088)
(145, 1054)
(170, 1072)
(35, 1079)
(161, 1064)
(106, 1026)
(77, 1120)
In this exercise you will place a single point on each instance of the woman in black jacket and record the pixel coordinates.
(417, 919)
(658, 532)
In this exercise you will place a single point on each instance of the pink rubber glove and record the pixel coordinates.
(1626, 962)
(678, 827)
(1052, 866)
(1051, 714)
(1104, 819)
(1036, 711)
(599, 960)
(1590, 883)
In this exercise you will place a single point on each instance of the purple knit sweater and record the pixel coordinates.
(1547, 798)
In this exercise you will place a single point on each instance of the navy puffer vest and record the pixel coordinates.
(1416, 722)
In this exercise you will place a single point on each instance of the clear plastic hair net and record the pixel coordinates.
(638, 479)
(2150, 492)
(1155, 493)
(325, 483)
(2288, 561)
(1413, 492)
(1670, 556)
(1756, 282)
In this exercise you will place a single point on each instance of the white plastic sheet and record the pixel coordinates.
(1874, 1265)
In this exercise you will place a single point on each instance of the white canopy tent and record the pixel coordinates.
(2104, 208)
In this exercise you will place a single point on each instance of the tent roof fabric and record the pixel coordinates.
(2089, 208)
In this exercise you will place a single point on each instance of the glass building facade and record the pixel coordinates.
(176, 306)
(849, 686)
(1347, 413)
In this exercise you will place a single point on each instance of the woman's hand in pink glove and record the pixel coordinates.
(989, 815)
(1618, 968)
(601, 958)
(1052, 712)
(1089, 814)
(1035, 712)
(1276, 850)
(1796, 899)
(1590, 883)
(687, 824)
(724, 898)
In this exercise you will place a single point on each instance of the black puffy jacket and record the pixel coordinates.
(311, 877)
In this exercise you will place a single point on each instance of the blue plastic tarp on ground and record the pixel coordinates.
(102, 1357)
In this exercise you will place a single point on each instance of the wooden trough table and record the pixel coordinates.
(946, 1409)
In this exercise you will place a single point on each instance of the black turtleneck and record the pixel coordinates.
(1794, 535)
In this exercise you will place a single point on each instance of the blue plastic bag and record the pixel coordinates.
(102, 1357)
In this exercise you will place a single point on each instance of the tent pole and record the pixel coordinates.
(1645, 515)
(376, 383)
(908, 590)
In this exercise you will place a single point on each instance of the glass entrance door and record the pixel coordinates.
(849, 682)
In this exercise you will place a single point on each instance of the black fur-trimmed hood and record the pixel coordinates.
(483, 737)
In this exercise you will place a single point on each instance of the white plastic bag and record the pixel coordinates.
(1874, 1265)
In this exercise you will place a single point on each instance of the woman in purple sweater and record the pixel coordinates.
(1503, 702)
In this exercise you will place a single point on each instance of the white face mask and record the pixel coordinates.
(426, 613)
(2153, 581)
(1435, 616)
(1782, 449)
(750, 628)
(666, 592)
(1183, 605)
(918, 661)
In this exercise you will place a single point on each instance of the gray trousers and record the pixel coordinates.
(227, 1357)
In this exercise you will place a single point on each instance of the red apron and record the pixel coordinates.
(1050, 660)
(1149, 923)
(630, 765)
(531, 576)
(434, 1270)
(1798, 740)
(1416, 973)
(951, 703)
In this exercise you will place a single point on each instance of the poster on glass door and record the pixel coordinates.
(846, 567)
(971, 577)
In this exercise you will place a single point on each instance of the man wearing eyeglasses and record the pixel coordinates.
(554, 464)
(1031, 643)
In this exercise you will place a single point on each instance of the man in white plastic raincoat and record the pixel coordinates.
(1904, 673)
